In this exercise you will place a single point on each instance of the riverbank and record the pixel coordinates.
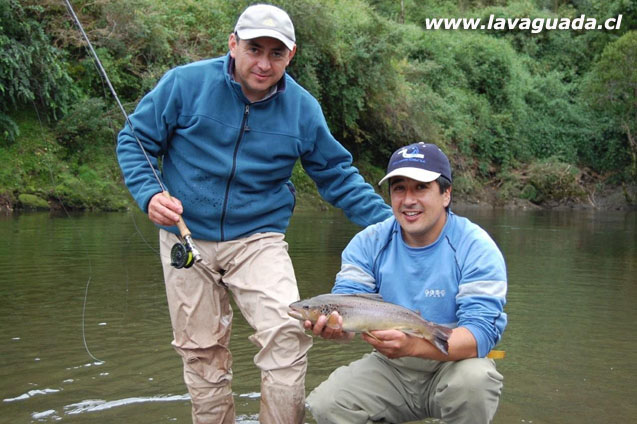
(40, 172)
(617, 198)
(607, 199)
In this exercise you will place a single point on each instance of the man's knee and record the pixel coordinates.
(207, 368)
(317, 400)
(473, 387)
(283, 350)
(472, 377)
(335, 401)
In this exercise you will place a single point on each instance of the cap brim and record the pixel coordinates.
(249, 34)
(417, 174)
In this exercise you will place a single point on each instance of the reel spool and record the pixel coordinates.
(181, 256)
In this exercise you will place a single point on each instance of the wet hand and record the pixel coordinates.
(329, 327)
(164, 210)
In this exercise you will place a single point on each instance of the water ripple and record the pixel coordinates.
(30, 394)
(93, 405)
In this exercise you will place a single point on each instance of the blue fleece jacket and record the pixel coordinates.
(229, 161)
(459, 280)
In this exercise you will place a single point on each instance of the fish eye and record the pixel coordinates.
(306, 307)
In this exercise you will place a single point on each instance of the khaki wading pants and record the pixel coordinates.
(258, 272)
(376, 389)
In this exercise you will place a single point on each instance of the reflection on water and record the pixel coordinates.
(571, 357)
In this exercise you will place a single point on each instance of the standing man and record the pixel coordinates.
(229, 131)
(430, 260)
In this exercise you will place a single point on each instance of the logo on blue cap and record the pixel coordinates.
(410, 153)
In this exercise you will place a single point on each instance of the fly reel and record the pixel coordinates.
(184, 255)
(181, 257)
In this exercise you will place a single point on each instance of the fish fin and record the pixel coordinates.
(372, 296)
(412, 332)
(372, 336)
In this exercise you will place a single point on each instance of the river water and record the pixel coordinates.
(85, 333)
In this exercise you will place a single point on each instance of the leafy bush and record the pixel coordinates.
(554, 125)
(81, 187)
(8, 128)
(611, 88)
(551, 180)
(346, 55)
(31, 68)
(86, 124)
(480, 83)
(31, 201)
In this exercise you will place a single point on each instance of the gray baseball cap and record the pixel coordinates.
(264, 20)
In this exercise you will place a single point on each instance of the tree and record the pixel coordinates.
(612, 89)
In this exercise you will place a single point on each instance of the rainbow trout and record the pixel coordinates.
(363, 313)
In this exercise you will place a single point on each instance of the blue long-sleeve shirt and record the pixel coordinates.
(459, 280)
(229, 161)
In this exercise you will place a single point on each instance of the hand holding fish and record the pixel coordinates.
(395, 343)
(329, 327)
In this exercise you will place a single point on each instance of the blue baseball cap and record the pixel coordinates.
(419, 161)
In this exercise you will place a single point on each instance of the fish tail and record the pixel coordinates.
(440, 336)
(442, 345)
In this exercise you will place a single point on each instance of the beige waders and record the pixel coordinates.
(258, 272)
(376, 389)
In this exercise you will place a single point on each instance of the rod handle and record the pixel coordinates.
(183, 229)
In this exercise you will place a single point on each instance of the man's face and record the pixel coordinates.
(259, 64)
(419, 208)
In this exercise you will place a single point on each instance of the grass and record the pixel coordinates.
(37, 166)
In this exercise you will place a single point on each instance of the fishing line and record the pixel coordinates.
(182, 255)
(83, 320)
(88, 256)
(139, 232)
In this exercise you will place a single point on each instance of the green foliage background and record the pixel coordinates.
(542, 116)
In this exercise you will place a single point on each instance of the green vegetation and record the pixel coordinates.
(547, 117)
(611, 89)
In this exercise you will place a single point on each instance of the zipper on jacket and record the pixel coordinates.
(244, 128)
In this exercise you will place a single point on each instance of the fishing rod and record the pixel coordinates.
(182, 255)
